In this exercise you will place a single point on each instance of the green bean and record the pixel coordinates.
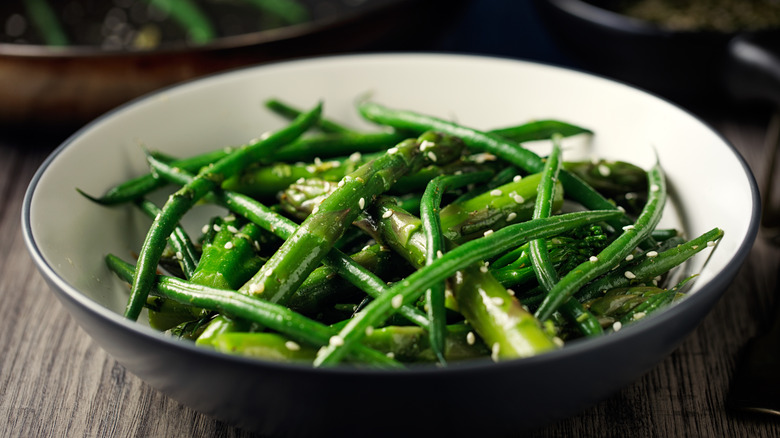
(487, 142)
(631, 236)
(434, 245)
(138, 187)
(183, 199)
(288, 111)
(543, 208)
(238, 305)
(463, 256)
(333, 145)
(540, 256)
(46, 22)
(287, 11)
(651, 265)
(180, 241)
(540, 130)
(189, 16)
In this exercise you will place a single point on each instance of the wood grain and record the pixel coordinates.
(54, 381)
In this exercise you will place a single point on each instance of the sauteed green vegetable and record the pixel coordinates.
(427, 242)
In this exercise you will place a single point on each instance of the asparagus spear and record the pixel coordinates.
(460, 221)
(497, 317)
(286, 270)
(406, 344)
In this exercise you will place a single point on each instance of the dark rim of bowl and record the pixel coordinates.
(606, 18)
(244, 40)
(717, 285)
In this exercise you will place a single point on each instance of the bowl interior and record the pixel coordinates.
(69, 235)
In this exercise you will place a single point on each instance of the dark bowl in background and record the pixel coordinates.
(687, 66)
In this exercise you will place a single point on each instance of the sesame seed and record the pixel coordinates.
(336, 341)
(483, 269)
(517, 178)
(269, 273)
(292, 346)
(315, 209)
(369, 330)
(229, 245)
(355, 156)
(256, 288)
(426, 144)
(311, 168)
(496, 192)
(630, 275)
(342, 182)
(652, 254)
(397, 301)
(390, 354)
(392, 151)
(387, 214)
(511, 216)
(432, 156)
(439, 254)
(617, 326)
(498, 301)
(205, 229)
(558, 341)
(470, 338)
(655, 188)
(217, 228)
(179, 255)
(317, 161)
(510, 292)
(494, 351)
(629, 257)
(519, 199)
(232, 229)
(360, 180)
(300, 180)
(628, 227)
(604, 170)
(639, 315)
(711, 243)
(594, 259)
(362, 203)
(487, 233)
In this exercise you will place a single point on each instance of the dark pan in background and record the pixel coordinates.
(69, 86)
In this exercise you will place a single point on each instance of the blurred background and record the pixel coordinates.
(64, 62)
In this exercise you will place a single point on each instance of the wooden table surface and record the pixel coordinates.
(55, 381)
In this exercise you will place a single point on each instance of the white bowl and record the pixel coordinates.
(68, 235)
